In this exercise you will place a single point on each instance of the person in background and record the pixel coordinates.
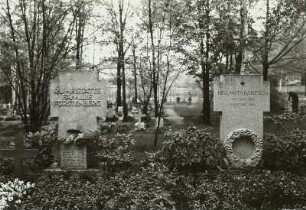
(295, 101)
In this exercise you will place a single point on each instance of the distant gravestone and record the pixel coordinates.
(139, 114)
(120, 112)
(77, 99)
(242, 99)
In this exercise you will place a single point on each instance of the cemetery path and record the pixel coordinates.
(172, 116)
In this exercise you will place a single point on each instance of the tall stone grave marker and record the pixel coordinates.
(242, 99)
(77, 99)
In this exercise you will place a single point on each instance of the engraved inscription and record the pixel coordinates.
(73, 157)
(239, 99)
(77, 97)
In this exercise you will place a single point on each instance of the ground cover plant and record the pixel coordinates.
(191, 150)
(287, 152)
(188, 171)
(156, 187)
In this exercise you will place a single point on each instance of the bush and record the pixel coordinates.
(285, 153)
(193, 150)
(156, 187)
(113, 151)
(279, 190)
(6, 166)
(44, 140)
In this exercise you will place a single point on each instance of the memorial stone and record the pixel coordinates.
(242, 99)
(77, 99)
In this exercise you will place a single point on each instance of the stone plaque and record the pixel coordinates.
(73, 157)
(242, 99)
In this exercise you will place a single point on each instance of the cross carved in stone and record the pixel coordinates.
(242, 99)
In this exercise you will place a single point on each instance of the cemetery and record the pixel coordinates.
(152, 125)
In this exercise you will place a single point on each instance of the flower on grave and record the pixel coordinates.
(12, 192)
(140, 126)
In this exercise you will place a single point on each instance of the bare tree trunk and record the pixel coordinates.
(240, 56)
(135, 74)
(305, 82)
(205, 65)
(118, 78)
(22, 96)
(154, 73)
(265, 59)
(122, 59)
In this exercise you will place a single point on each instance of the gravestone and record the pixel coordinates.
(77, 99)
(120, 113)
(242, 99)
(139, 114)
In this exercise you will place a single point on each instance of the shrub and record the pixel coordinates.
(114, 150)
(285, 153)
(6, 166)
(157, 187)
(44, 140)
(147, 189)
(192, 150)
(278, 190)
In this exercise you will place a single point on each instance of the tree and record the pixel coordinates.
(40, 35)
(285, 28)
(82, 12)
(195, 36)
(118, 28)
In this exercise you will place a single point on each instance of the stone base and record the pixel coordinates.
(73, 157)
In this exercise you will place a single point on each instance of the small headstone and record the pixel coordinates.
(110, 113)
(242, 99)
(73, 157)
(77, 99)
(120, 112)
(9, 113)
(139, 114)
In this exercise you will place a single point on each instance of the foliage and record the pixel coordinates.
(44, 140)
(268, 190)
(108, 128)
(6, 166)
(114, 150)
(287, 152)
(148, 188)
(156, 187)
(36, 44)
(192, 149)
(12, 193)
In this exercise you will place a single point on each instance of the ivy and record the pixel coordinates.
(192, 149)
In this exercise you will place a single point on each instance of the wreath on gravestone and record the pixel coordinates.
(77, 138)
(251, 161)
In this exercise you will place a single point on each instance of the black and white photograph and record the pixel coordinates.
(153, 104)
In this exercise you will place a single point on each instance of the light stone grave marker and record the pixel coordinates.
(242, 99)
(77, 99)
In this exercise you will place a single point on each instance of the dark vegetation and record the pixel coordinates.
(188, 169)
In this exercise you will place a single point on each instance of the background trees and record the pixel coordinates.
(152, 43)
(39, 41)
